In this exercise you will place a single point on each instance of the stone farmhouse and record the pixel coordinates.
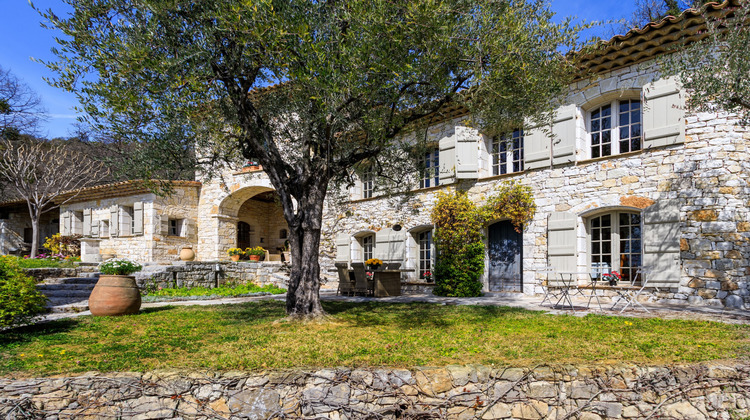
(624, 178)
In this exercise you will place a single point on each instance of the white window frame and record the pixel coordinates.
(430, 169)
(368, 184)
(615, 125)
(425, 264)
(615, 246)
(367, 243)
(177, 227)
(509, 160)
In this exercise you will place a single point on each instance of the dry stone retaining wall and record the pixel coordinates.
(715, 391)
(212, 274)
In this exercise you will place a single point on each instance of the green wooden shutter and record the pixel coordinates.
(661, 243)
(389, 245)
(663, 113)
(138, 218)
(467, 153)
(561, 241)
(343, 250)
(447, 157)
(564, 135)
(114, 221)
(86, 222)
(536, 148)
(65, 221)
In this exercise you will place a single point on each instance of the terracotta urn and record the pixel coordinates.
(235, 258)
(115, 295)
(187, 254)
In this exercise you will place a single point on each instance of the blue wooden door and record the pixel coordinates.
(505, 249)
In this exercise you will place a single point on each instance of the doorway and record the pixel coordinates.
(505, 251)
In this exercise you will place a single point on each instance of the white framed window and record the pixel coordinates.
(177, 227)
(127, 221)
(615, 128)
(430, 165)
(507, 153)
(368, 184)
(425, 252)
(615, 243)
(368, 244)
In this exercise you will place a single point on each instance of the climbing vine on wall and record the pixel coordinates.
(458, 234)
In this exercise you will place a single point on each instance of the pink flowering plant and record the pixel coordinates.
(612, 277)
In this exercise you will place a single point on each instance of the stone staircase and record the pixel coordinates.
(69, 294)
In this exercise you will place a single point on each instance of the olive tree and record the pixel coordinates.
(309, 89)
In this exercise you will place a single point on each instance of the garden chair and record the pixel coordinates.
(361, 285)
(630, 296)
(345, 280)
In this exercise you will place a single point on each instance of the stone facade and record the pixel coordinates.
(623, 391)
(15, 229)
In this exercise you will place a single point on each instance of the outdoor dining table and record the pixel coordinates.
(566, 284)
(387, 282)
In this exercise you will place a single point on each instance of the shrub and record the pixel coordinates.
(458, 275)
(20, 300)
(67, 246)
(120, 267)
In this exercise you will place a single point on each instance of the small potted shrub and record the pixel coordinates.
(427, 276)
(235, 253)
(611, 278)
(255, 253)
(374, 263)
(116, 292)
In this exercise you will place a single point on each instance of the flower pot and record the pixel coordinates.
(115, 295)
(235, 258)
(187, 254)
(255, 258)
(374, 267)
(287, 256)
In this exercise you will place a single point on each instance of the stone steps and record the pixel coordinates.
(68, 294)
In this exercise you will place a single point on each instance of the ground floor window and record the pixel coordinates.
(616, 244)
(367, 247)
(424, 240)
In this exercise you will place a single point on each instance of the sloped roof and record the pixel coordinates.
(117, 189)
(653, 39)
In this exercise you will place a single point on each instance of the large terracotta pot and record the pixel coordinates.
(187, 254)
(115, 295)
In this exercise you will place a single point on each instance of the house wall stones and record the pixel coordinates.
(622, 391)
(211, 274)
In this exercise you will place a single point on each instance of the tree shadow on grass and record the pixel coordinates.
(29, 333)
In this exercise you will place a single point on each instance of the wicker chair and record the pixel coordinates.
(345, 282)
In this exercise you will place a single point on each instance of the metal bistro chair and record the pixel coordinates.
(630, 296)
(360, 279)
(550, 291)
(345, 280)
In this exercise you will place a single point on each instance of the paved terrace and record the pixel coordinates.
(705, 313)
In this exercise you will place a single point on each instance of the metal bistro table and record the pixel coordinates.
(387, 282)
(567, 284)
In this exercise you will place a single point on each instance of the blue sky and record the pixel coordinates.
(22, 37)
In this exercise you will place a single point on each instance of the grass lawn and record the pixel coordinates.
(254, 336)
(225, 290)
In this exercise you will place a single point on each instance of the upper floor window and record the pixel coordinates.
(430, 165)
(368, 184)
(507, 153)
(615, 128)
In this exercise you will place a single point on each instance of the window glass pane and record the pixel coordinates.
(606, 110)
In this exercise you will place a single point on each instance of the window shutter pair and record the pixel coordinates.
(389, 245)
(539, 148)
(661, 243)
(663, 113)
(343, 248)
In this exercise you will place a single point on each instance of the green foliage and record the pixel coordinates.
(458, 234)
(258, 250)
(716, 70)
(68, 246)
(46, 262)
(20, 300)
(459, 274)
(120, 267)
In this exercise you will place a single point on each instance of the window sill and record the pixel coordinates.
(417, 190)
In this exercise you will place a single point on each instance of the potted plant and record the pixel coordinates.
(427, 276)
(116, 292)
(374, 263)
(612, 278)
(255, 253)
(235, 253)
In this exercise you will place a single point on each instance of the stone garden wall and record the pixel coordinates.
(211, 274)
(716, 391)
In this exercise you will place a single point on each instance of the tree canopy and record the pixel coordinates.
(20, 107)
(307, 88)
